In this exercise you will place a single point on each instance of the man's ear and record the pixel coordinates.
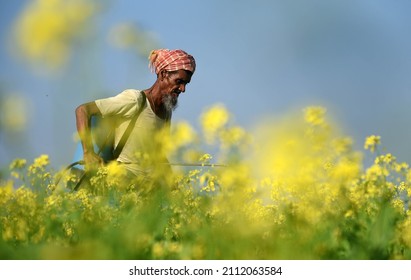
(163, 74)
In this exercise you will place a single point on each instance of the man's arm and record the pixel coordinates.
(84, 113)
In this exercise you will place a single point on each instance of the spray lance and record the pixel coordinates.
(83, 175)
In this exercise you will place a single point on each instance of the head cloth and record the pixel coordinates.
(171, 60)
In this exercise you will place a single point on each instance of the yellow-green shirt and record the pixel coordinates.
(141, 144)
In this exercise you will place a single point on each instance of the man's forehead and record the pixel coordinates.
(183, 75)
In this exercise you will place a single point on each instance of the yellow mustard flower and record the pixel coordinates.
(6, 188)
(182, 135)
(18, 164)
(11, 104)
(233, 136)
(46, 30)
(371, 142)
(131, 36)
(315, 115)
(41, 161)
(213, 121)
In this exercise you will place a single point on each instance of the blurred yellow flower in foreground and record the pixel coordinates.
(298, 184)
(46, 29)
(213, 121)
(314, 115)
(14, 111)
(308, 167)
(182, 134)
(131, 36)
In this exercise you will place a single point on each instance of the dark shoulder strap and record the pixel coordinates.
(130, 127)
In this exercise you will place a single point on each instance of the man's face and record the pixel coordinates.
(174, 83)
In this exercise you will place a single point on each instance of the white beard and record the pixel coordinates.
(170, 103)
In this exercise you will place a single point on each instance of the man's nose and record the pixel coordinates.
(182, 88)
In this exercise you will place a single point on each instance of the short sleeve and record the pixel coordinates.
(124, 104)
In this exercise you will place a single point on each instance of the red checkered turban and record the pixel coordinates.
(171, 60)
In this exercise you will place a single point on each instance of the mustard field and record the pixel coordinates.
(294, 188)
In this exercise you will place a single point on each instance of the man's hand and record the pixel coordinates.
(92, 161)
(84, 113)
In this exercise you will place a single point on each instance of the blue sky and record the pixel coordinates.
(258, 58)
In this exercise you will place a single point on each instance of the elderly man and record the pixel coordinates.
(153, 106)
